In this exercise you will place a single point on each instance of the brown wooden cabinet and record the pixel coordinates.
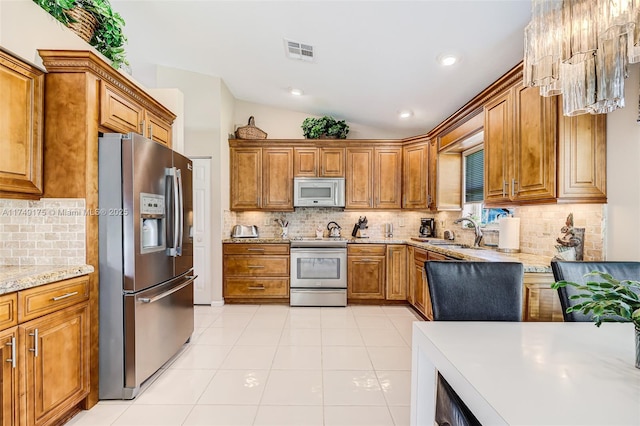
(318, 162)
(366, 271)
(520, 144)
(421, 298)
(45, 349)
(396, 258)
(73, 115)
(374, 178)
(21, 128)
(261, 178)
(253, 272)
(541, 302)
(416, 173)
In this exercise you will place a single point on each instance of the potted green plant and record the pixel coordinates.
(324, 127)
(108, 37)
(608, 299)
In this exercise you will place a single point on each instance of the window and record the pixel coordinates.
(474, 175)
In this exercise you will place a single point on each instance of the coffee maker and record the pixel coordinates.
(427, 227)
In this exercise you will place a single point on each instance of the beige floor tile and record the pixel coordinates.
(390, 358)
(396, 387)
(176, 387)
(259, 336)
(357, 416)
(218, 336)
(293, 387)
(298, 358)
(153, 415)
(345, 358)
(373, 337)
(100, 415)
(379, 322)
(401, 415)
(201, 357)
(342, 337)
(232, 320)
(249, 357)
(301, 337)
(221, 415)
(235, 387)
(352, 388)
(272, 415)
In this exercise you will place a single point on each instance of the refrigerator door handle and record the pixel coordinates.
(190, 279)
(173, 249)
(180, 217)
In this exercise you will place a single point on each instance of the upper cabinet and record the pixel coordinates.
(318, 162)
(21, 128)
(261, 178)
(374, 177)
(415, 176)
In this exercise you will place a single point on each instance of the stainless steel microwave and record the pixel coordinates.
(318, 192)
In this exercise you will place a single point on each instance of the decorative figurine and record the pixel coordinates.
(571, 242)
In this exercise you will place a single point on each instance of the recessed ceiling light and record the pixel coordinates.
(296, 92)
(405, 114)
(447, 60)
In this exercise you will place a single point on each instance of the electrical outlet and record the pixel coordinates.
(266, 221)
(400, 222)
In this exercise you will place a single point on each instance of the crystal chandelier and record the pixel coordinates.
(581, 49)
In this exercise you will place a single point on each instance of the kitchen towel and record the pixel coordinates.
(509, 239)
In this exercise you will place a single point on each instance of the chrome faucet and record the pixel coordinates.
(476, 228)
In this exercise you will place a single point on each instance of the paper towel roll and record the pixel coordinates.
(509, 239)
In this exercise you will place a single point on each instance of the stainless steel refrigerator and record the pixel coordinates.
(146, 260)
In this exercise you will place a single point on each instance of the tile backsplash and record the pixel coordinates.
(50, 231)
(539, 225)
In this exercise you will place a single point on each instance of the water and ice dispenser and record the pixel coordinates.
(152, 223)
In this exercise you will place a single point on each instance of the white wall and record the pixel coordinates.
(623, 175)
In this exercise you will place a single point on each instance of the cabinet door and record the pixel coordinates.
(246, 178)
(416, 177)
(366, 277)
(582, 159)
(277, 174)
(359, 178)
(498, 137)
(305, 162)
(387, 179)
(421, 298)
(9, 377)
(396, 272)
(534, 146)
(432, 179)
(411, 275)
(332, 162)
(21, 131)
(541, 302)
(157, 129)
(118, 113)
(55, 351)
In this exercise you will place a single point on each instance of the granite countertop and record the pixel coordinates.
(532, 262)
(14, 278)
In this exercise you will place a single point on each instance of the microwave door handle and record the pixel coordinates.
(335, 193)
(180, 215)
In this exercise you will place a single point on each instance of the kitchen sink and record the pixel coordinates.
(455, 246)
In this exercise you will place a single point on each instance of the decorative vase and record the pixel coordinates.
(637, 346)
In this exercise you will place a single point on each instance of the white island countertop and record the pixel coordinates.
(527, 373)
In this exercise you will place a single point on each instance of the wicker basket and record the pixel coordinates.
(84, 24)
(250, 131)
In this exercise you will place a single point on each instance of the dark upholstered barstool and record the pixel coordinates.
(471, 291)
(574, 271)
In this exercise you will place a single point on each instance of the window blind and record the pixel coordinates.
(474, 177)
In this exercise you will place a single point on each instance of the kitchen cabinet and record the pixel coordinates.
(45, 336)
(396, 265)
(421, 298)
(21, 128)
(541, 302)
(72, 111)
(318, 162)
(123, 114)
(366, 271)
(261, 178)
(520, 147)
(255, 272)
(415, 173)
(374, 178)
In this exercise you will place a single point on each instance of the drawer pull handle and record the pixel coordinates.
(12, 360)
(64, 296)
(35, 342)
(255, 249)
(260, 287)
(256, 266)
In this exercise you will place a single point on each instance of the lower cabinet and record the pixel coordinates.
(366, 271)
(541, 302)
(45, 373)
(396, 272)
(421, 299)
(255, 272)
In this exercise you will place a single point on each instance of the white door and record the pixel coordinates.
(202, 289)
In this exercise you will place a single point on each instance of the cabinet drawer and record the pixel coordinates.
(8, 314)
(118, 113)
(252, 287)
(38, 301)
(366, 249)
(256, 266)
(256, 249)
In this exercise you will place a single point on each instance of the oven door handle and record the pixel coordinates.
(319, 251)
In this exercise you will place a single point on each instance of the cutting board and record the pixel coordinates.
(421, 239)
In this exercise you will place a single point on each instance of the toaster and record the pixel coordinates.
(244, 231)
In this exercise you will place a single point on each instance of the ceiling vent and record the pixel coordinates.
(297, 50)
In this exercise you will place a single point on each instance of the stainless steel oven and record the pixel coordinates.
(318, 272)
